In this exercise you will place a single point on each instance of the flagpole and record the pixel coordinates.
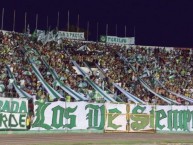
(58, 20)
(68, 21)
(87, 29)
(134, 35)
(116, 30)
(14, 21)
(97, 31)
(78, 23)
(36, 21)
(106, 29)
(47, 21)
(125, 31)
(2, 18)
(25, 21)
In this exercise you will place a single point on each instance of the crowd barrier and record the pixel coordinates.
(85, 116)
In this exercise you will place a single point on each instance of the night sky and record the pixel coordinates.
(159, 23)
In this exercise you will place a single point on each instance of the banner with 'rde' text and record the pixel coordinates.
(13, 113)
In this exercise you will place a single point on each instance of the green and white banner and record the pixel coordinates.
(162, 118)
(174, 118)
(142, 118)
(116, 117)
(13, 113)
(117, 40)
(55, 36)
(78, 115)
(70, 35)
(112, 117)
(68, 116)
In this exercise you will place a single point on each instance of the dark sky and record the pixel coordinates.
(156, 22)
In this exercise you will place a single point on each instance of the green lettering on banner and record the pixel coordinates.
(160, 114)
(22, 120)
(14, 106)
(81, 36)
(179, 119)
(186, 116)
(152, 118)
(113, 113)
(1, 104)
(23, 107)
(115, 40)
(71, 117)
(12, 121)
(119, 40)
(140, 120)
(93, 116)
(108, 39)
(59, 113)
(192, 118)
(40, 111)
(6, 106)
(3, 120)
(58, 116)
(10, 113)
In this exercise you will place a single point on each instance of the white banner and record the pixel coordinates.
(174, 118)
(55, 36)
(78, 116)
(68, 116)
(45, 117)
(116, 117)
(142, 118)
(109, 117)
(120, 40)
(13, 113)
(166, 118)
(70, 35)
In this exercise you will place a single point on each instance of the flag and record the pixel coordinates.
(2, 88)
(57, 82)
(20, 92)
(53, 94)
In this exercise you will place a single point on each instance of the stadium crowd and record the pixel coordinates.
(161, 69)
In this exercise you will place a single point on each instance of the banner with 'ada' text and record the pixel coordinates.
(13, 113)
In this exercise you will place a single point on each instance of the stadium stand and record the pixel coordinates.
(72, 70)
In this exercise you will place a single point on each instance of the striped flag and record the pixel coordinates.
(96, 87)
(20, 92)
(53, 94)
